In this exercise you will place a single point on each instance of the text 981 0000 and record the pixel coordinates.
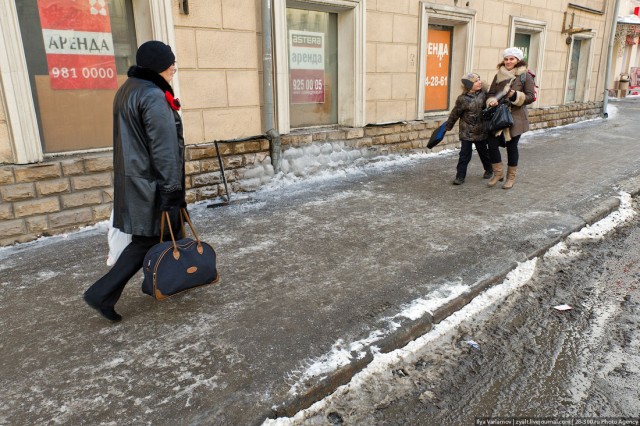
(85, 72)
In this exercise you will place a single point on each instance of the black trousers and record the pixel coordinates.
(512, 150)
(107, 290)
(465, 157)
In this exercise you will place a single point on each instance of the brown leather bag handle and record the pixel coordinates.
(183, 215)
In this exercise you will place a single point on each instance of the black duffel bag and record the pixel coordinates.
(172, 267)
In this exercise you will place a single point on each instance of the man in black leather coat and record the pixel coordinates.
(148, 167)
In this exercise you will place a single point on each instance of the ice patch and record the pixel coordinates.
(419, 307)
(340, 196)
(113, 363)
(46, 275)
(259, 247)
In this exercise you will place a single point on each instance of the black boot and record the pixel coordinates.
(108, 313)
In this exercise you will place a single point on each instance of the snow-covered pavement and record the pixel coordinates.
(320, 273)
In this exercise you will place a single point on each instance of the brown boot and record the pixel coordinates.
(511, 178)
(497, 174)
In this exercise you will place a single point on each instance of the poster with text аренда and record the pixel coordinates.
(436, 93)
(79, 44)
(306, 65)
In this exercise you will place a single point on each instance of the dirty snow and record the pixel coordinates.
(381, 363)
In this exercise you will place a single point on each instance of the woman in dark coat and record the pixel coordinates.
(516, 84)
(468, 109)
(148, 167)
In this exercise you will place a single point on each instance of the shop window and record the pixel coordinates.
(446, 52)
(77, 55)
(313, 67)
(24, 64)
(319, 61)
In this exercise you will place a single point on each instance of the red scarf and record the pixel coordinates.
(174, 103)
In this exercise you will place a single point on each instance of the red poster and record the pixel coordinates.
(436, 83)
(78, 43)
(306, 66)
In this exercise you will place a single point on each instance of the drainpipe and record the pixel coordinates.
(607, 72)
(267, 87)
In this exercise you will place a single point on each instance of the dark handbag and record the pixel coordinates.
(501, 118)
(172, 267)
(487, 114)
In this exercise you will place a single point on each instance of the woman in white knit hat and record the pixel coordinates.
(514, 84)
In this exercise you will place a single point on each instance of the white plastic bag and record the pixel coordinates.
(118, 240)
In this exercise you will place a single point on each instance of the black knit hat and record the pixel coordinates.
(155, 55)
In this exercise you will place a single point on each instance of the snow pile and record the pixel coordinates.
(599, 229)
(341, 354)
(419, 307)
(321, 162)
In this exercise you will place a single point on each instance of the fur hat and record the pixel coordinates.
(155, 55)
(469, 79)
(513, 51)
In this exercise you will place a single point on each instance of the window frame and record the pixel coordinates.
(587, 67)
(538, 32)
(463, 22)
(351, 59)
(153, 20)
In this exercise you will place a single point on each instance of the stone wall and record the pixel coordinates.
(60, 195)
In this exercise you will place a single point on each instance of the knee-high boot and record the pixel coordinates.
(511, 177)
(497, 174)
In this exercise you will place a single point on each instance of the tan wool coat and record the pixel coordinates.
(525, 94)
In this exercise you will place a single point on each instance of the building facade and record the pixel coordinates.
(349, 79)
(625, 78)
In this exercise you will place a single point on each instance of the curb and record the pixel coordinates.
(413, 329)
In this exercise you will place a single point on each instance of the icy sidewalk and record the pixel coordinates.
(371, 387)
(318, 275)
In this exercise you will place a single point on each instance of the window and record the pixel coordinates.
(315, 90)
(523, 41)
(313, 67)
(530, 37)
(20, 67)
(443, 30)
(77, 55)
(578, 70)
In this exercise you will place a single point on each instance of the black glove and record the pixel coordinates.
(172, 200)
